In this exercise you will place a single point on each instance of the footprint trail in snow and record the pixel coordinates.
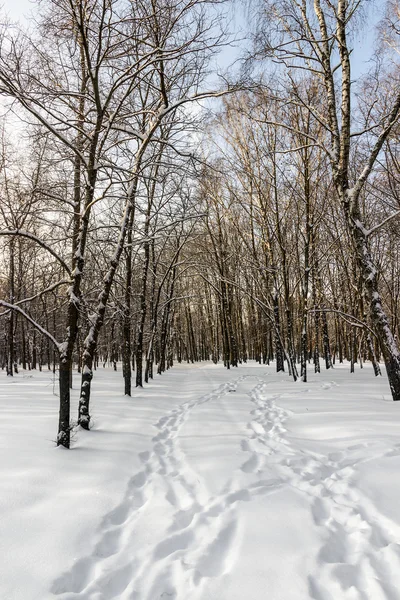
(200, 542)
(360, 556)
(200, 533)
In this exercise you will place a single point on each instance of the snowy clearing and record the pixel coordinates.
(207, 485)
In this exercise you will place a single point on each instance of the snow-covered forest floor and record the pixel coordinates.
(207, 485)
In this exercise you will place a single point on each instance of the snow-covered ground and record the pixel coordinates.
(206, 485)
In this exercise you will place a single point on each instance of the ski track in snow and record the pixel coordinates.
(359, 559)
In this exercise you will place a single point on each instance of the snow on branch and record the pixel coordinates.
(377, 227)
(392, 118)
(41, 243)
(350, 319)
(19, 310)
(39, 294)
(8, 86)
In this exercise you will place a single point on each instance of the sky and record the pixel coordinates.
(362, 45)
(17, 8)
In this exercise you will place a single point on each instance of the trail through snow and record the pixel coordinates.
(252, 487)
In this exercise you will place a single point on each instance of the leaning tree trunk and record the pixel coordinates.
(387, 343)
(90, 343)
(350, 200)
(372, 355)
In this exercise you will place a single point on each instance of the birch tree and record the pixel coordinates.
(314, 36)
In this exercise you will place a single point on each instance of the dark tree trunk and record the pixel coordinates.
(280, 366)
(64, 431)
(143, 311)
(126, 325)
(326, 342)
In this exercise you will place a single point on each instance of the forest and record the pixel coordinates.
(157, 208)
(199, 300)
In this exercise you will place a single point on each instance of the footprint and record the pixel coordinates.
(161, 422)
(171, 496)
(109, 544)
(336, 456)
(114, 583)
(164, 587)
(393, 453)
(176, 542)
(216, 559)
(183, 518)
(316, 591)
(239, 496)
(138, 480)
(378, 538)
(144, 456)
(245, 446)
(347, 575)
(119, 515)
(75, 580)
(336, 549)
(252, 465)
(320, 511)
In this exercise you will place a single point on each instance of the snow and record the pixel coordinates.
(360, 226)
(62, 348)
(72, 297)
(208, 484)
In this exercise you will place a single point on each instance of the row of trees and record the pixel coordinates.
(135, 229)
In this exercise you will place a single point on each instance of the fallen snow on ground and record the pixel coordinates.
(207, 485)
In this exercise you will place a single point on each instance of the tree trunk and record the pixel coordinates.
(280, 366)
(387, 342)
(126, 326)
